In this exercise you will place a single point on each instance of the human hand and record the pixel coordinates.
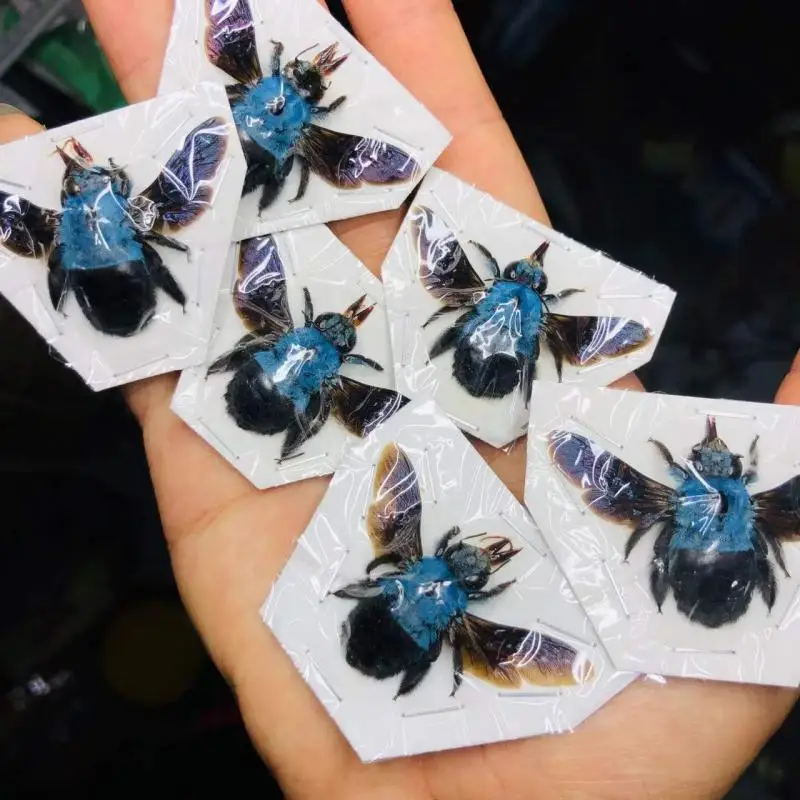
(228, 542)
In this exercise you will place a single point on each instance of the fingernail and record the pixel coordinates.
(7, 110)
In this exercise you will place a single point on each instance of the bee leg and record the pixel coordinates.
(445, 540)
(481, 594)
(659, 567)
(412, 677)
(752, 471)
(305, 176)
(447, 341)
(332, 107)
(674, 466)
(527, 374)
(236, 357)
(562, 295)
(640, 530)
(776, 548)
(767, 584)
(304, 426)
(275, 63)
(440, 313)
(57, 280)
(161, 276)
(308, 307)
(458, 666)
(492, 261)
(363, 361)
(386, 558)
(358, 591)
(165, 241)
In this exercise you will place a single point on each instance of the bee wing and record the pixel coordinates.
(362, 408)
(231, 40)
(611, 488)
(181, 192)
(351, 161)
(778, 510)
(260, 291)
(25, 229)
(585, 341)
(507, 656)
(394, 518)
(444, 268)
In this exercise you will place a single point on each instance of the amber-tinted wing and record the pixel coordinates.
(231, 39)
(25, 229)
(585, 341)
(778, 510)
(349, 161)
(395, 516)
(361, 408)
(183, 191)
(611, 488)
(444, 268)
(508, 657)
(260, 291)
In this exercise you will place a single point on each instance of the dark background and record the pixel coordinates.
(665, 134)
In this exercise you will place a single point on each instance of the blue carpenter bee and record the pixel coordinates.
(497, 338)
(100, 245)
(287, 378)
(715, 539)
(403, 616)
(275, 114)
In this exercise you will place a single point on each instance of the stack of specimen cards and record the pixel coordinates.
(114, 233)
(299, 364)
(328, 133)
(424, 608)
(676, 521)
(483, 300)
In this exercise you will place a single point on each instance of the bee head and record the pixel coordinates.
(340, 329)
(473, 566)
(529, 271)
(712, 458)
(83, 176)
(308, 77)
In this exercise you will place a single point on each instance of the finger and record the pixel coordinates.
(17, 126)
(789, 391)
(134, 36)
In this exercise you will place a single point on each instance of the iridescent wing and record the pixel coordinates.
(585, 341)
(260, 290)
(25, 229)
(508, 657)
(181, 192)
(362, 408)
(395, 516)
(231, 40)
(610, 488)
(349, 161)
(444, 268)
(778, 510)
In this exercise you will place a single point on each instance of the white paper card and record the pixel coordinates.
(455, 487)
(450, 207)
(316, 260)
(141, 139)
(377, 107)
(725, 630)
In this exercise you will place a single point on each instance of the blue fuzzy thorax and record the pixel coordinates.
(424, 600)
(507, 320)
(96, 231)
(299, 364)
(275, 133)
(700, 523)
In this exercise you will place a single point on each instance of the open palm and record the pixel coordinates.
(228, 541)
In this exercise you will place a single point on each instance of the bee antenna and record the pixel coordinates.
(303, 52)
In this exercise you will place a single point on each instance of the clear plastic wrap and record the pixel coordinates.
(674, 519)
(328, 132)
(299, 365)
(480, 303)
(417, 553)
(114, 233)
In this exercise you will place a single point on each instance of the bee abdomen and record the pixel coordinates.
(496, 376)
(254, 406)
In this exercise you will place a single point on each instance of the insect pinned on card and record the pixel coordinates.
(276, 113)
(100, 245)
(714, 546)
(404, 616)
(505, 319)
(287, 378)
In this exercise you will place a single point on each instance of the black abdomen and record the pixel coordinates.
(495, 376)
(254, 405)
